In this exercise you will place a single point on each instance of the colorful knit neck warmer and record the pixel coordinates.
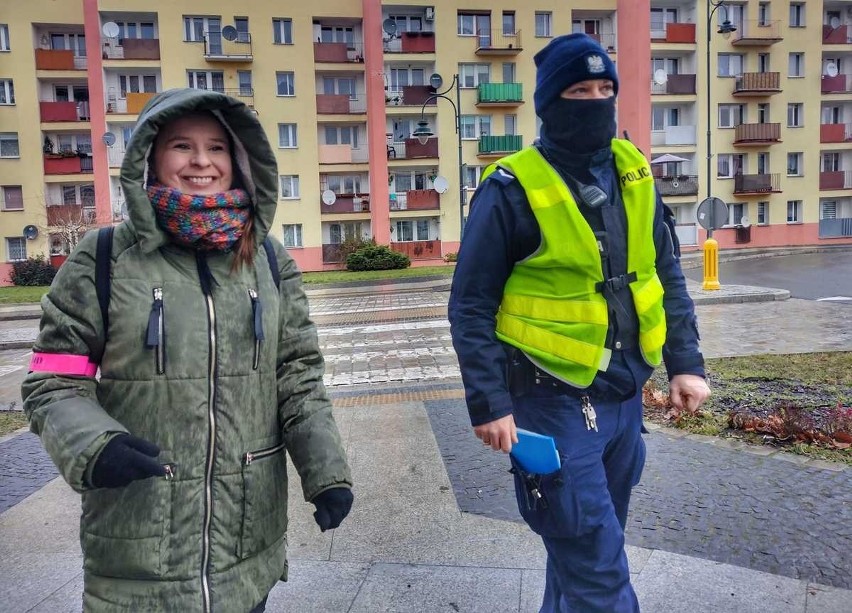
(207, 223)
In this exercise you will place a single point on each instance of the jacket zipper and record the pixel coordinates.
(211, 441)
(156, 330)
(257, 320)
(251, 456)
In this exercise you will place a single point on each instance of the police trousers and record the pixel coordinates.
(580, 511)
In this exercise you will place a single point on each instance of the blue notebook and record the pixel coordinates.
(536, 453)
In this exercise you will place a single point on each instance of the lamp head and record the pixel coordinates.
(727, 28)
(422, 132)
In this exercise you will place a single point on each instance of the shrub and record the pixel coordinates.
(32, 271)
(376, 257)
(451, 257)
(351, 245)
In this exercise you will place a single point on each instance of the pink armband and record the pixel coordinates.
(63, 364)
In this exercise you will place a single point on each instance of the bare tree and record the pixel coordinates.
(69, 222)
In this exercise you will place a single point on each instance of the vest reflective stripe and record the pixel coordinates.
(550, 309)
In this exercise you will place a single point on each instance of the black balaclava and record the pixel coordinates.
(578, 126)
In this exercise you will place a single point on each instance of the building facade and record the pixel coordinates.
(346, 91)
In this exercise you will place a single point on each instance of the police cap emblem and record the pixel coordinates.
(595, 64)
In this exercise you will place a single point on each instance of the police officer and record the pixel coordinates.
(567, 293)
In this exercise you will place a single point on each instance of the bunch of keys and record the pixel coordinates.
(589, 414)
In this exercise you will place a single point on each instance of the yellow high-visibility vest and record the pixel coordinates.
(551, 309)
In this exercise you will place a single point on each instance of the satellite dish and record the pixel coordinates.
(745, 222)
(436, 80)
(440, 184)
(834, 22)
(831, 69)
(389, 26)
(30, 232)
(675, 183)
(660, 76)
(229, 33)
(111, 29)
(108, 138)
(712, 213)
(328, 197)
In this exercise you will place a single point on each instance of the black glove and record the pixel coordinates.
(124, 459)
(332, 506)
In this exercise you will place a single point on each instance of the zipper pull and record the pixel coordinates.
(589, 414)
(257, 311)
(249, 458)
(153, 337)
(171, 471)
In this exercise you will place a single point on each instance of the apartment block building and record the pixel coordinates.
(384, 114)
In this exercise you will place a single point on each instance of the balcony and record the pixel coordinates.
(58, 59)
(674, 33)
(746, 134)
(63, 111)
(411, 42)
(497, 42)
(500, 94)
(415, 200)
(835, 228)
(59, 164)
(835, 133)
(681, 185)
(131, 48)
(132, 104)
(410, 95)
(837, 179)
(70, 214)
(498, 146)
(757, 84)
(418, 250)
(340, 104)
(218, 49)
(836, 85)
(343, 154)
(757, 184)
(325, 53)
(683, 84)
(674, 135)
(841, 35)
(753, 33)
(412, 149)
(347, 203)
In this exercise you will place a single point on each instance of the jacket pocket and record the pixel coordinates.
(548, 503)
(264, 519)
(124, 532)
(156, 333)
(257, 325)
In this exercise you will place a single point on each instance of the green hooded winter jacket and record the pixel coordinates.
(222, 406)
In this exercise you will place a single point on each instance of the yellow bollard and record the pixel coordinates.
(711, 264)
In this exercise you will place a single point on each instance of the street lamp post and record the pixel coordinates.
(711, 246)
(423, 132)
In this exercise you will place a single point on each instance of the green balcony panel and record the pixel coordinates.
(500, 144)
(501, 92)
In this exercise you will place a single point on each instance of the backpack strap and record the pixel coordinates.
(102, 272)
(273, 262)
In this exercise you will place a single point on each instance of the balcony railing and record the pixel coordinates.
(418, 250)
(64, 111)
(410, 95)
(836, 179)
(56, 164)
(753, 33)
(338, 52)
(415, 200)
(835, 228)
(343, 154)
(835, 132)
(341, 104)
(500, 94)
(841, 35)
(130, 48)
(839, 84)
(347, 203)
(674, 33)
(757, 133)
(411, 42)
(132, 104)
(58, 59)
(757, 184)
(681, 185)
(499, 145)
(606, 40)
(674, 135)
(218, 49)
(676, 84)
(757, 84)
(497, 42)
(412, 149)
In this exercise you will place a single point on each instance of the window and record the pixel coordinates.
(794, 164)
(670, 65)
(403, 77)
(762, 213)
(286, 83)
(735, 13)
(9, 145)
(338, 34)
(293, 235)
(762, 62)
(831, 114)
(244, 81)
(407, 23)
(342, 135)
(4, 37)
(764, 14)
(763, 163)
(13, 198)
(132, 29)
(828, 209)
(509, 72)
(662, 117)
(195, 28)
(7, 91)
(796, 65)
(287, 138)
(831, 162)
(736, 210)
(763, 112)
(510, 124)
(338, 232)
(474, 126)
(200, 79)
(16, 249)
(508, 23)
(795, 115)
(407, 230)
(472, 176)
(471, 75)
(794, 211)
(351, 184)
(731, 115)
(282, 31)
(242, 26)
(661, 16)
(339, 86)
(543, 23)
(730, 64)
(797, 14)
(730, 164)
(289, 187)
(139, 83)
(474, 24)
(72, 42)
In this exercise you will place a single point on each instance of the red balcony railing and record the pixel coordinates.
(675, 84)
(338, 52)
(418, 250)
(63, 111)
(674, 33)
(835, 132)
(839, 84)
(837, 179)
